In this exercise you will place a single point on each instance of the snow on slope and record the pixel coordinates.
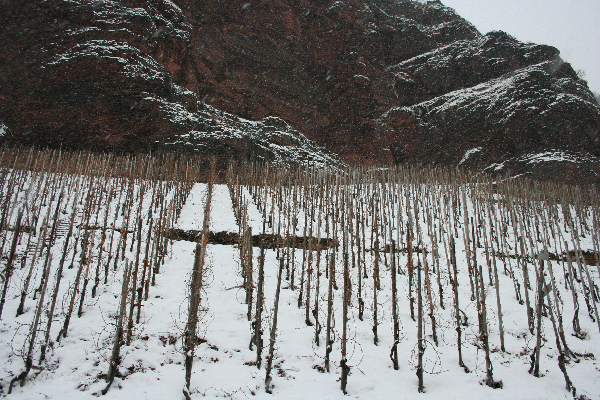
(152, 366)
(215, 132)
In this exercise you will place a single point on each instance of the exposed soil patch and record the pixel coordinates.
(270, 240)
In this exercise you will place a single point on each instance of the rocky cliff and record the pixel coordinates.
(499, 105)
(387, 81)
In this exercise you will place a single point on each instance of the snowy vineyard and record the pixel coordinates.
(172, 277)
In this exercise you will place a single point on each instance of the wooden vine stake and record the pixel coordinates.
(489, 380)
(457, 310)
(420, 340)
(561, 350)
(8, 271)
(328, 340)
(273, 329)
(115, 358)
(535, 356)
(257, 324)
(395, 322)
(345, 301)
(190, 338)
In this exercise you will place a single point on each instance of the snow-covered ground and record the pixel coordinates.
(152, 367)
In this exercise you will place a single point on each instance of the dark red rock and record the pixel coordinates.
(321, 65)
(387, 81)
(78, 71)
(496, 125)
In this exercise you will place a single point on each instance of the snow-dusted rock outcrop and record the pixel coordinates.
(374, 81)
(493, 100)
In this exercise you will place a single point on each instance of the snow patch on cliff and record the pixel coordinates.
(176, 112)
(469, 153)
(514, 95)
(271, 139)
(495, 167)
(97, 48)
(3, 130)
(552, 156)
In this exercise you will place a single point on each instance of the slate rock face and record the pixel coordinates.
(81, 73)
(87, 73)
(466, 63)
(228, 136)
(535, 109)
(320, 65)
(379, 81)
(103, 75)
